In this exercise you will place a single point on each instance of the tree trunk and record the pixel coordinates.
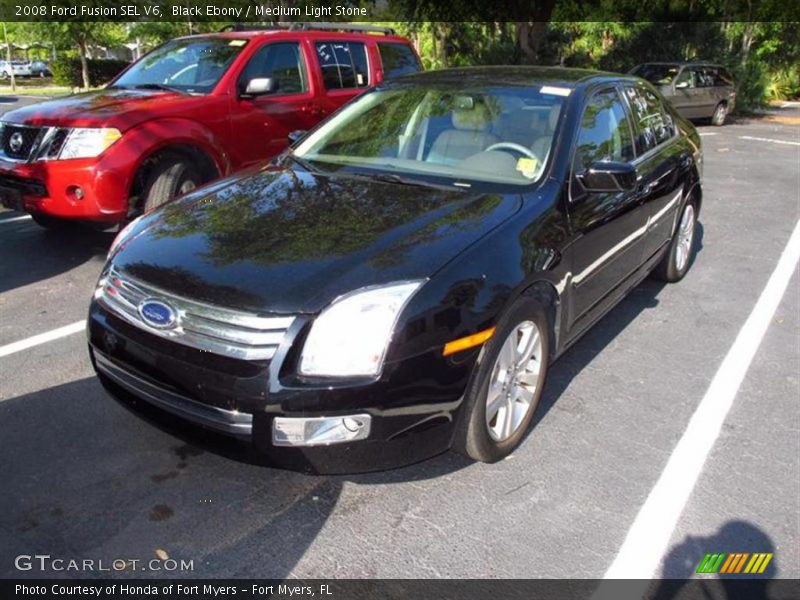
(8, 59)
(84, 64)
(530, 36)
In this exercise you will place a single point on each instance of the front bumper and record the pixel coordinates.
(412, 409)
(48, 187)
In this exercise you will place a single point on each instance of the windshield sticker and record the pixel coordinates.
(555, 91)
(527, 166)
(236, 43)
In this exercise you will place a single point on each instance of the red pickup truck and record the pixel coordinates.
(192, 110)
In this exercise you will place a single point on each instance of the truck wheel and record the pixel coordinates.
(170, 177)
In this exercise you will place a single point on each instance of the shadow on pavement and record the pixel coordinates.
(84, 479)
(601, 334)
(30, 253)
(733, 537)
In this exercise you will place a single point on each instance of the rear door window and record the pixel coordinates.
(651, 120)
(397, 59)
(344, 65)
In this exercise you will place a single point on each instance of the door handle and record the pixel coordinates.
(313, 109)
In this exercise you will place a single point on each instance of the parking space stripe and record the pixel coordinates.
(42, 338)
(650, 533)
(761, 139)
(15, 219)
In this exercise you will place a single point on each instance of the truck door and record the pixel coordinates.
(261, 124)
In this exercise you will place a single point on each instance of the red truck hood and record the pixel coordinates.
(118, 108)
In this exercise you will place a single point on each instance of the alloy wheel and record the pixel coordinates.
(514, 381)
(683, 250)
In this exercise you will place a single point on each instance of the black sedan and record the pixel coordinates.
(399, 281)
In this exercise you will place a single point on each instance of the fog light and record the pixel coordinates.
(319, 431)
(75, 191)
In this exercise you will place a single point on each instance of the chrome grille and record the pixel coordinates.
(219, 330)
(32, 143)
(19, 141)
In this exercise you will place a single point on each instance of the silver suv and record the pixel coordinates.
(696, 90)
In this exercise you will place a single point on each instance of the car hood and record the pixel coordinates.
(289, 241)
(118, 108)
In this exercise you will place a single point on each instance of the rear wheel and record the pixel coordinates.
(169, 178)
(507, 385)
(720, 114)
(678, 259)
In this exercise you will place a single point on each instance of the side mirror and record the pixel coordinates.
(259, 86)
(608, 176)
(296, 135)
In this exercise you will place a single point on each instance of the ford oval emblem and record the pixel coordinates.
(158, 314)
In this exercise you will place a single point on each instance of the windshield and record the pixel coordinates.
(192, 65)
(499, 134)
(657, 74)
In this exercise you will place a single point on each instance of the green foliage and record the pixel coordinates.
(67, 71)
(784, 84)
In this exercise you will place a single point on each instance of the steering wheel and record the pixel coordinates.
(512, 146)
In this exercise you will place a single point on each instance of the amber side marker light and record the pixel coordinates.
(465, 343)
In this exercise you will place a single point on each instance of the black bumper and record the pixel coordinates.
(225, 404)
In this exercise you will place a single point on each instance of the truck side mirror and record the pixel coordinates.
(260, 86)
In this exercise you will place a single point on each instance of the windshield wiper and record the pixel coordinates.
(399, 180)
(305, 163)
(156, 86)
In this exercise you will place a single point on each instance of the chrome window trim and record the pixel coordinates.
(231, 333)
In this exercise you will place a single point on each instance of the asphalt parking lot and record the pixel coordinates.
(84, 478)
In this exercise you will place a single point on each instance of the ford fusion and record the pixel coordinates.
(398, 283)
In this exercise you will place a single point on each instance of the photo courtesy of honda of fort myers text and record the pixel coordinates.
(399, 299)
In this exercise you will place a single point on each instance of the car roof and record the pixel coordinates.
(298, 33)
(684, 63)
(514, 76)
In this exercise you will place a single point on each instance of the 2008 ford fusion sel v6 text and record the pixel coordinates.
(398, 283)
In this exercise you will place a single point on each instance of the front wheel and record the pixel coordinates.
(170, 177)
(678, 259)
(507, 386)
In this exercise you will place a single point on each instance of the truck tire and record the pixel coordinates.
(170, 177)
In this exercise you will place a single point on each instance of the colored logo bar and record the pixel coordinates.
(735, 563)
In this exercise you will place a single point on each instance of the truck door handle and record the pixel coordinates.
(313, 109)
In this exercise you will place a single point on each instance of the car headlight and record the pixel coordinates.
(122, 237)
(88, 142)
(350, 337)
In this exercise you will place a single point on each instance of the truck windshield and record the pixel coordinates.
(192, 65)
(491, 134)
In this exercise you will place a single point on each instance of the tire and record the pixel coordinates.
(170, 177)
(678, 258)
(487, 433)
(51, 223)
(719, 115)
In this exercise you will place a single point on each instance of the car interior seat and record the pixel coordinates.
(469, 134)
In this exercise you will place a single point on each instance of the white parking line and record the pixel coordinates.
(760, 139)
(42, 338)
(707, 133)
(648, 537)
(15, 219)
